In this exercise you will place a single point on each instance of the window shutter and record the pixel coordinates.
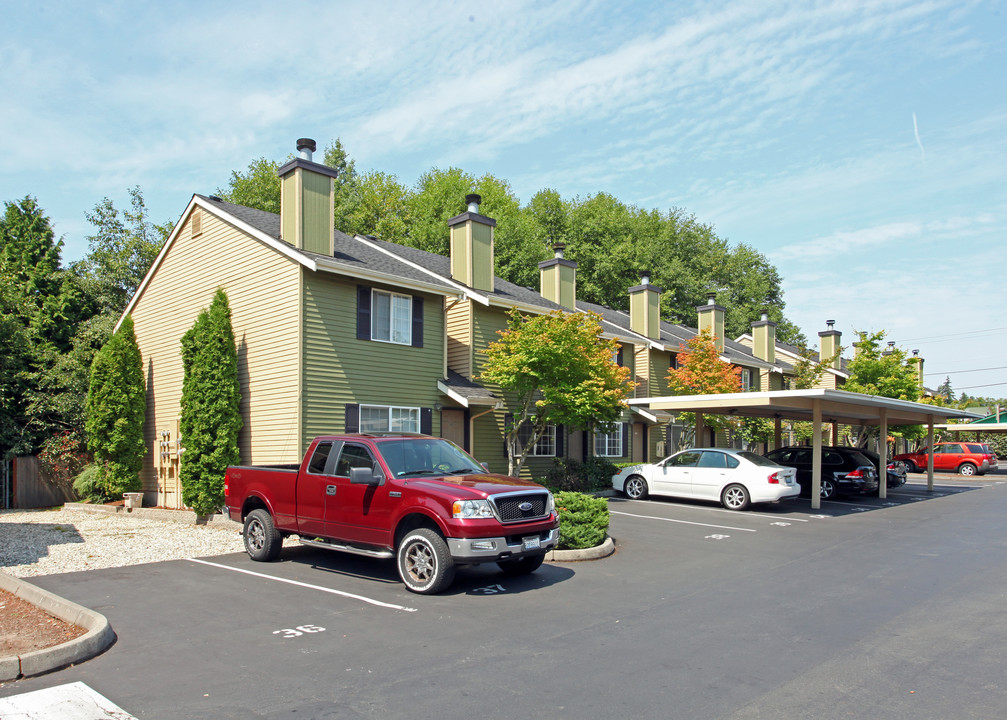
(427, 421)
(618, 358)
(585, 451)
(417, 321)
(352, 418)
(625, 439)
(363, 313)
(560, 436)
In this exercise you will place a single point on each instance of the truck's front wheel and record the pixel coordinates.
(262, 541)
(424, 561)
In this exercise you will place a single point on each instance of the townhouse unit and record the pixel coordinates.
(340, 333)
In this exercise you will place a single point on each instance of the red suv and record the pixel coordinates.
(964, 458)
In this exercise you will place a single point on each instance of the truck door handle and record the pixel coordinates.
(330, 489)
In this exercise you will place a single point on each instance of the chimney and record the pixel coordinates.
(918, 362)
(711, 317)
(472, 246)
(828, 344)
(307, 212)
(645, 308)
(764, 339)
(558, 279)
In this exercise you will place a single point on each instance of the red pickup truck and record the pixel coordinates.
(419, 499)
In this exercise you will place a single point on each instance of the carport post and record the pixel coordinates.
(777, 432)
(816, 454)
(883, 456)
(700, 430)
(930, 455)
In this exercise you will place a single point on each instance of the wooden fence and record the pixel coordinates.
(30, 489)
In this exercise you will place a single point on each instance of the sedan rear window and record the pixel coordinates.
(756, 459)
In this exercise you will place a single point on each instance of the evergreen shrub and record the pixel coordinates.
(592, 475)
(583, 520)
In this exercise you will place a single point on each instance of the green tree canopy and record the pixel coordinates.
(211, 417)
(883, 371)
(556, 369)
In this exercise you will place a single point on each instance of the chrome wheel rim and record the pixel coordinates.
(420, 562)
(735, 498)
(634, 487)
(256, 536)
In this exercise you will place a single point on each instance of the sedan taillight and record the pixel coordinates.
(774, 479)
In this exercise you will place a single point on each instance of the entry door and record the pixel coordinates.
(453, 426)
(639, 443)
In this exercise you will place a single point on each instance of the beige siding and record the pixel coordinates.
(263, 289)
(459, 337)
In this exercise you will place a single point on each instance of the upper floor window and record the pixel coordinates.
(391, 317)
(383, 418)
(746, 380)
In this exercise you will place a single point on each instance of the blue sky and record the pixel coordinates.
(860, 145)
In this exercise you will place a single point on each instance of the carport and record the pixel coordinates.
(816, 406)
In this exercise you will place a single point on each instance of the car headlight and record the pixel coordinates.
(471, 509)
(550, 504)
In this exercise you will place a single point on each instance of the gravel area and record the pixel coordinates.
(47, 542)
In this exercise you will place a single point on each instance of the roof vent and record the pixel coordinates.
(645, 277)
(558, 249)
(306, 146)
(830, 323)
(473, 201)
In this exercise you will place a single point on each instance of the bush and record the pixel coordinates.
(90, 484)
(583, 520)
(592, 475)
(61, 458)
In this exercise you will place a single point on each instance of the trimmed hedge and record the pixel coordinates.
(583, 520)
(592, 475)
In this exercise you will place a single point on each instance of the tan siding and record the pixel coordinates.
(641, 362)
(262, 289)
(459, 337)
(340, 369)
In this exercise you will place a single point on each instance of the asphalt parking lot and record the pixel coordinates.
(866, 608)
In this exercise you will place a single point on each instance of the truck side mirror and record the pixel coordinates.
(365, 476)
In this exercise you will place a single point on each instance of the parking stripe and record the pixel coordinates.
(683, 522)
(306, 585)
(749, 513)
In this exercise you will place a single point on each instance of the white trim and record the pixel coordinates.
(462, 289)
(411, 408)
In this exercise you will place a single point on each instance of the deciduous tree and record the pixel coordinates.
(556, 369)
(700, 371)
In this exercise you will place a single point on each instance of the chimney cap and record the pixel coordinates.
(645, 277)
(306, 144)
(473, 198)
(830, 323)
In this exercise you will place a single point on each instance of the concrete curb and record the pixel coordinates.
(183, 516)
(97, 639)
(595, 553)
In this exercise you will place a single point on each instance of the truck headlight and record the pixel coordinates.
(471, 509)
(550, 505)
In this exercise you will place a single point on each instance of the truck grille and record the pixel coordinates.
(509, 506)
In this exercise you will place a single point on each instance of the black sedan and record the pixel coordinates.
(845, 470)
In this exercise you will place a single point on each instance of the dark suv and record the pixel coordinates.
(845, 470)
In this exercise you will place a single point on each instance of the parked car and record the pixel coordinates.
(896, 468)
(845, 470)
(735, 478)
(964, 458)
(992, 454)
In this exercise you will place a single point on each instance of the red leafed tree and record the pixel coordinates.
(700, 371)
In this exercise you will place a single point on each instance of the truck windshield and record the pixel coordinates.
(426, 456)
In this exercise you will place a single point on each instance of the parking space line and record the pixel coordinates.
(306, 585)
(682, 522)
(749, 513)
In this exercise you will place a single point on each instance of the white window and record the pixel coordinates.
(609, 444)
(746, 380)
(391, 317)
(383, 418)
(546, 445)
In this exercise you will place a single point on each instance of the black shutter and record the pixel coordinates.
(363, 312)
(427, 421)
(417, 321)
(352, 418)
(560, 433)
(585, 452)
(625, 439)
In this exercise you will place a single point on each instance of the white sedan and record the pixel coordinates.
(735, 478)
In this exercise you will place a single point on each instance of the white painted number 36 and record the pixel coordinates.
(298, 631)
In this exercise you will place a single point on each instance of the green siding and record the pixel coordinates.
(317, 207)
(339, 369)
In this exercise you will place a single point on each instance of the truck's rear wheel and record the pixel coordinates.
(522, 566)
(262, 540)
(424, 561)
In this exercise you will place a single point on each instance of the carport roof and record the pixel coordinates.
(836, 406)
